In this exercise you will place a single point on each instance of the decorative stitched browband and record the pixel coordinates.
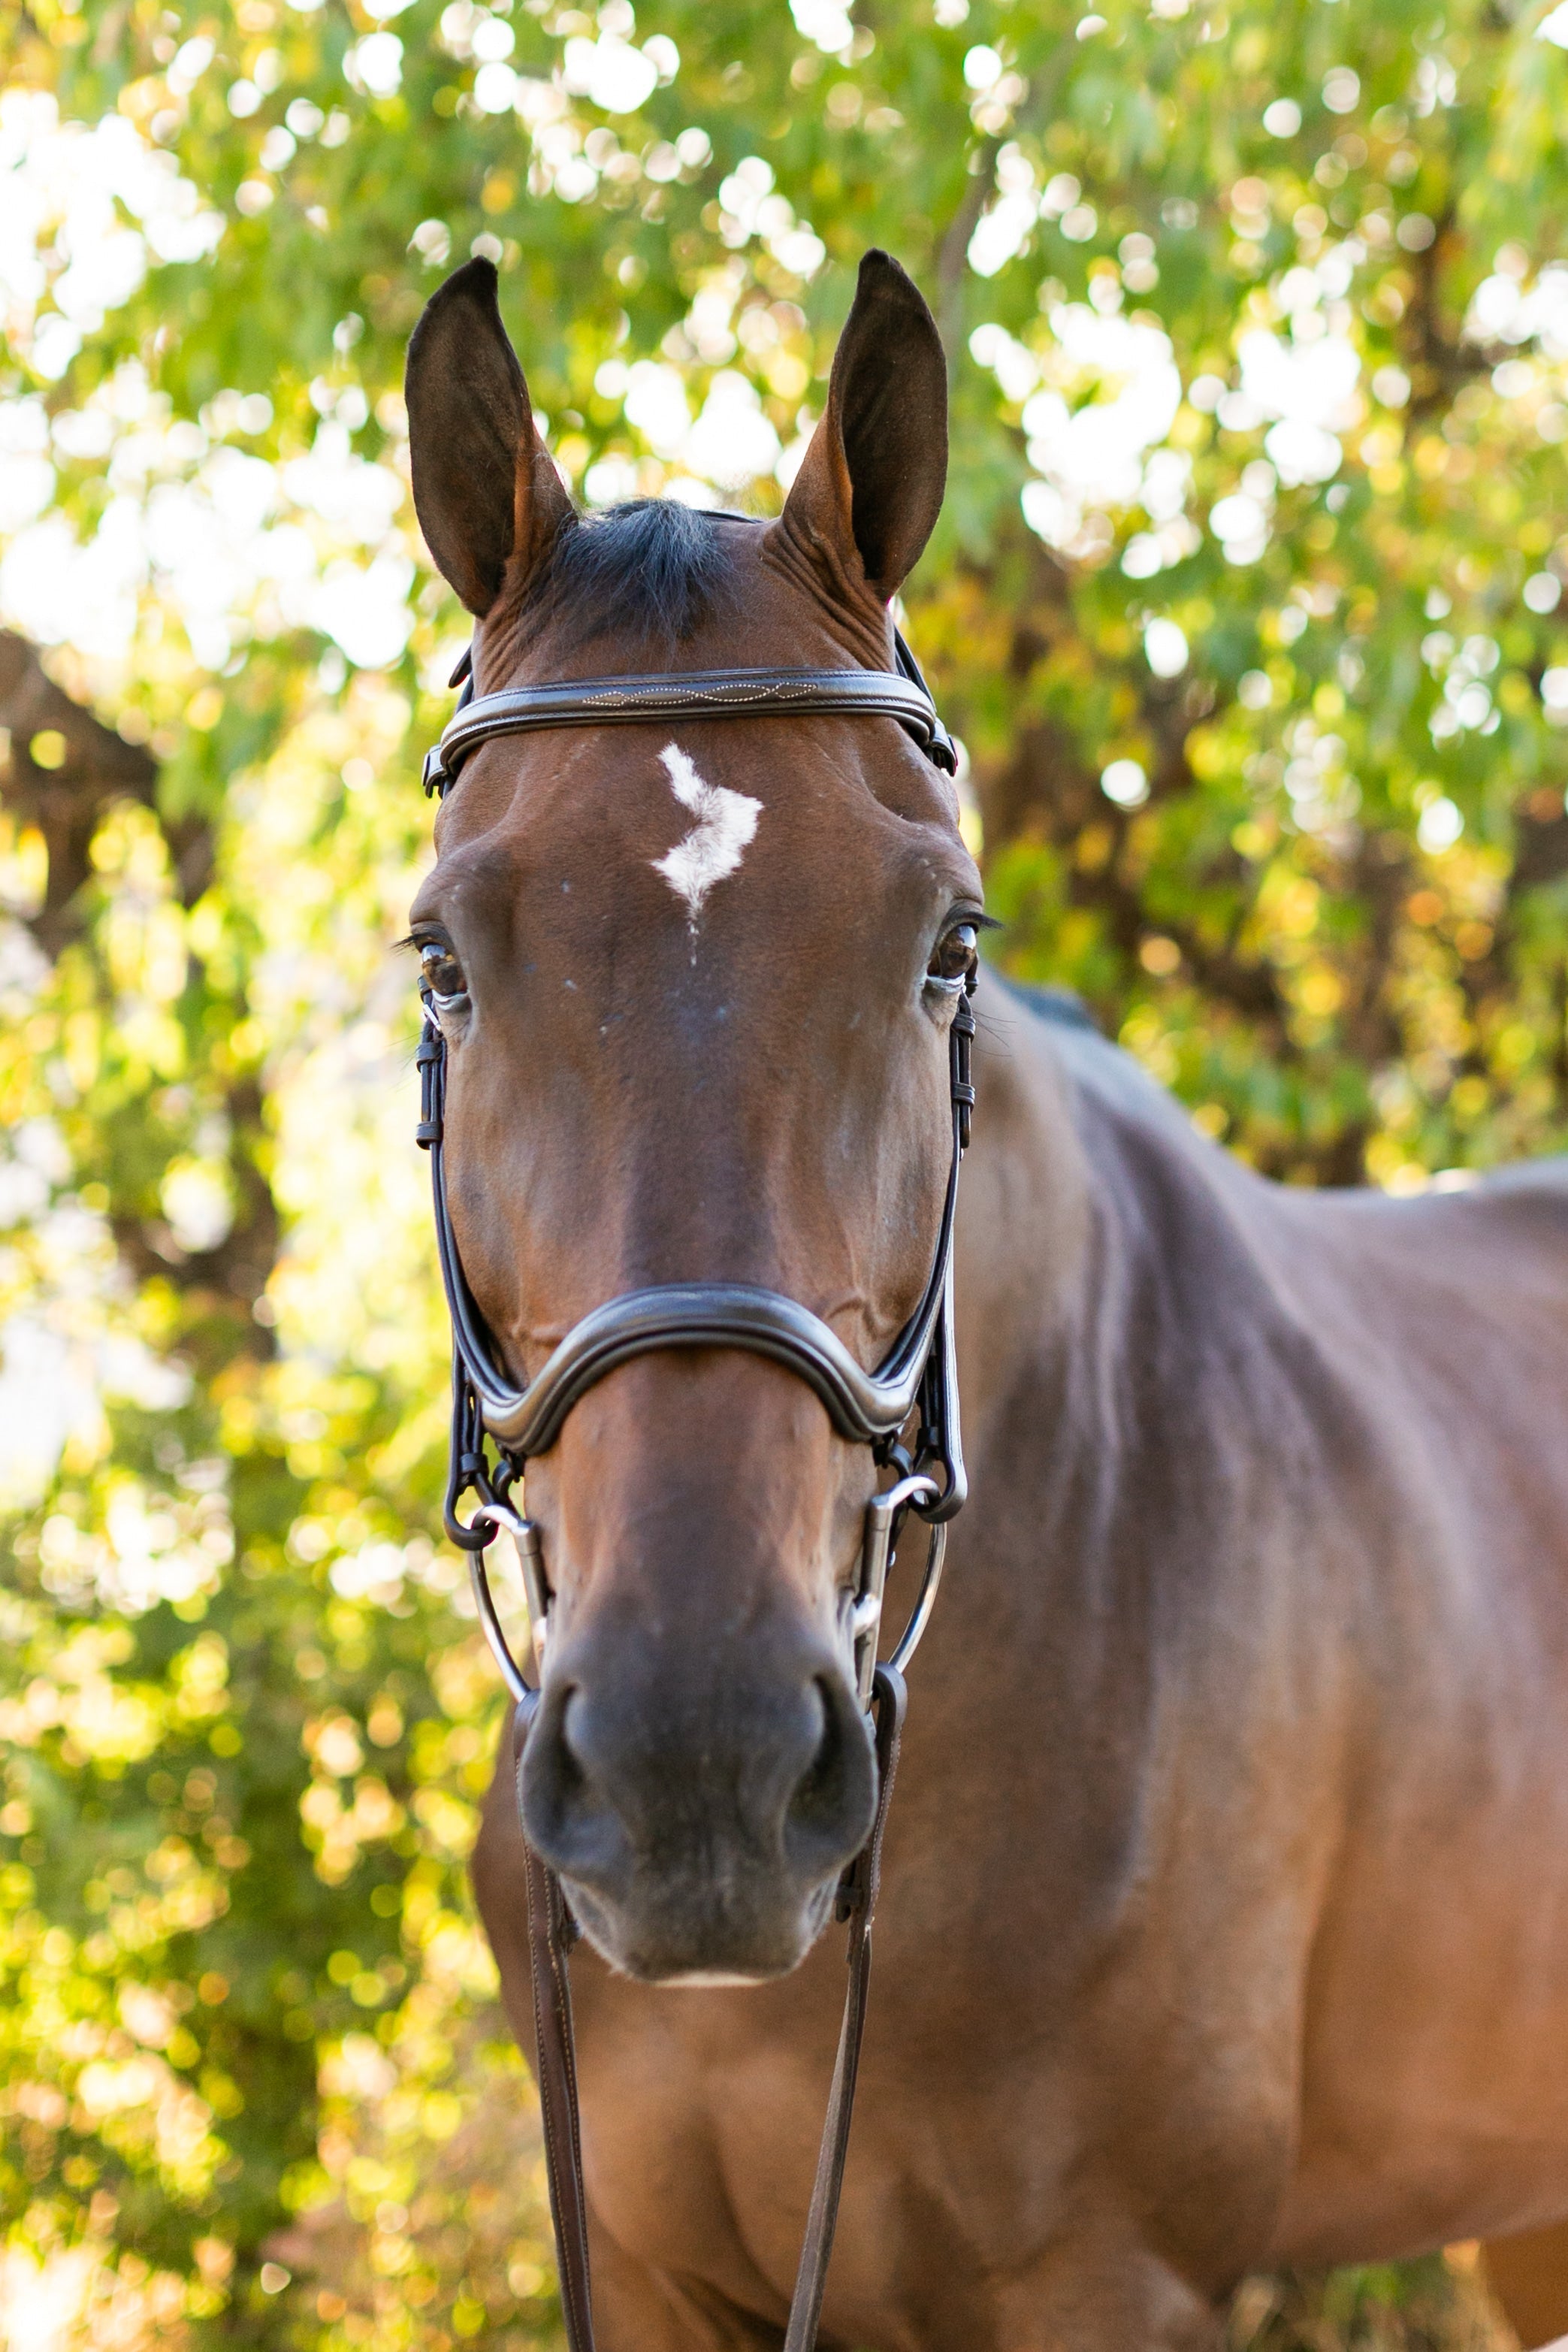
(902, 695)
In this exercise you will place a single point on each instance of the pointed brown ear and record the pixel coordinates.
(870, 489)
(483, 488)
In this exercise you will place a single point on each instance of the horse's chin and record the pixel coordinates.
(709, 1980)
(701, 1946)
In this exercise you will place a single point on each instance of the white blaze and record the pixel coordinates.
(725, 821)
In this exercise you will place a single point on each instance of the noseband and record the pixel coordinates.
(906, 1412)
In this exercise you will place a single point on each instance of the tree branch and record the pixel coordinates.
(67, 801)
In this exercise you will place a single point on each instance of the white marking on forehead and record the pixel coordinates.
(725, 821)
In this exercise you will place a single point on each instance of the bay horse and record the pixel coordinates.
(1225, 1920)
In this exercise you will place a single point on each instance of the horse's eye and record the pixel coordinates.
(440, 973)
(956, 956)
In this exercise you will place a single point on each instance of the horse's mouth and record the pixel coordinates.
(705, 1941)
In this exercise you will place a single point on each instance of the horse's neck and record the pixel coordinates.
(1122, 1331)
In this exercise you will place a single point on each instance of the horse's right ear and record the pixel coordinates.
(484, 489)
(870, 487)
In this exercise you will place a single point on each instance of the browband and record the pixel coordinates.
(696, 694)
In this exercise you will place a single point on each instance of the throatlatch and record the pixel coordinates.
(906, 1412)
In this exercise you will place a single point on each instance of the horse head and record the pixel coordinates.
(694, 982)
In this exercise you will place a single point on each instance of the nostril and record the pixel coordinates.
(571, 1773)
(564, 1813)
(830, 1810)
(817, 1788)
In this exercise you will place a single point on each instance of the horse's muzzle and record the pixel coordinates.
(699, 1829)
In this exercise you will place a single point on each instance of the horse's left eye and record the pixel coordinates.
(956, 954)
(440, 973)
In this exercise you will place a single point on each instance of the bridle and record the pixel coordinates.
(916, 1384)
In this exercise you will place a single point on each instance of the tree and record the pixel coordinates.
(1246, 603)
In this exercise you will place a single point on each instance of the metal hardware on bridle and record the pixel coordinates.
(916, 1384)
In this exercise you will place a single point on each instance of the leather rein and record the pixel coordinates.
(916, 1383)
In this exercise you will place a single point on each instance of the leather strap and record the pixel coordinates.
(863, 1406)
(550, 1938)
(860, 1892)
(899, 694)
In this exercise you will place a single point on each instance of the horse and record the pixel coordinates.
(1224, 1907)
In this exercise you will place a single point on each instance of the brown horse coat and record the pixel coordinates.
(1226, 1910)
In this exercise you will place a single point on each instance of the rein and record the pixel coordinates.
(916, 1383)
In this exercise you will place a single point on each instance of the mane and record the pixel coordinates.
(651, 569)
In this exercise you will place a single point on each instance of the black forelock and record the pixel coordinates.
(653, 570)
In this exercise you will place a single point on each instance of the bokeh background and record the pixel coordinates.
(1246, 605)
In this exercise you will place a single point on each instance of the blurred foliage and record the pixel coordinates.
(1439, 2305)
(1245, 602)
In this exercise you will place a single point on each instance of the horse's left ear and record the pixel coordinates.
(870, 489)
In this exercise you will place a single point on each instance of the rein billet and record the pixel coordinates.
(917, 1382)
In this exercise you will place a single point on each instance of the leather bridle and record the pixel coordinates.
(906, 1412)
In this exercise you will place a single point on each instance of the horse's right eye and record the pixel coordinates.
(954, 956)
(440, 973)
